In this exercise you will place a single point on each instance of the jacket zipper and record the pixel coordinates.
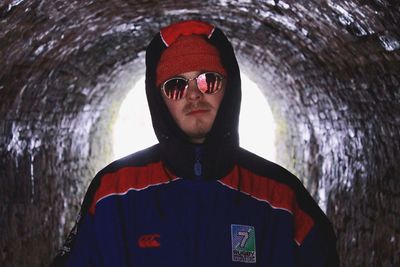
(198, 170)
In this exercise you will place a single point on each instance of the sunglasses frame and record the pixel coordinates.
(222, 77)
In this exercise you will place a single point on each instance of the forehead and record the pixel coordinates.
(190, 74)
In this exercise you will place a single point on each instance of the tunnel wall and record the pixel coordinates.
(330, 72)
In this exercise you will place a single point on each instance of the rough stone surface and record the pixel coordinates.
(329, 69)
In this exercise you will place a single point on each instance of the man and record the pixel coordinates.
(197, 198)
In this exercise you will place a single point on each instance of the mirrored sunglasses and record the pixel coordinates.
(208, 83)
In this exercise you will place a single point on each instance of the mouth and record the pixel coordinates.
(197, 111)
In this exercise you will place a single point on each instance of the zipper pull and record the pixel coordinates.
(197, 163)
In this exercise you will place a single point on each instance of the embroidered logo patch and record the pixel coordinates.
(149, 241)
(243, 243)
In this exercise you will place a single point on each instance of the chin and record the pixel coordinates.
(197, 135)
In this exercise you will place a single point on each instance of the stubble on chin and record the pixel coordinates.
(199, 128)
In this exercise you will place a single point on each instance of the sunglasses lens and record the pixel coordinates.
(209, 83)
(175, 88)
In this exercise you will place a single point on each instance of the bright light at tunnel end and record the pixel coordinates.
(133, 130)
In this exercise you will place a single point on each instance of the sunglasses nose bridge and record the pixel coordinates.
(193, 90)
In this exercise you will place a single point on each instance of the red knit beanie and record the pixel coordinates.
(188, 53)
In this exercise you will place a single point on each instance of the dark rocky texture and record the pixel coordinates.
(330, 70)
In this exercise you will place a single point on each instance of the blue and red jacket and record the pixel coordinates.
(143, 215)
(214, 204)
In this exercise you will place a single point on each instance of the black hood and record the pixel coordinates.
(218, 149)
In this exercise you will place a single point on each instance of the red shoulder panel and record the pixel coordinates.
(131, 178)
(277, 195)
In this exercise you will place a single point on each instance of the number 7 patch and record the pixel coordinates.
(243, 243)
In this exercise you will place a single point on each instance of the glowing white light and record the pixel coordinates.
(133, 130)
(256, 123)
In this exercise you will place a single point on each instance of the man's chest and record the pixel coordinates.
(195, 229)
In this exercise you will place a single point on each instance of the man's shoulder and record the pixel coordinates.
(275, 178)
(265, 168)
(281, 180)
(138, 159)
(131, 165)
(135, 172)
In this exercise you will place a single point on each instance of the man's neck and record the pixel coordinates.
(197, 141)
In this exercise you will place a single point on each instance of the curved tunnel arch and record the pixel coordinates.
(330, 72)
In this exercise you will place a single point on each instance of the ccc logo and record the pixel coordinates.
(149, 241)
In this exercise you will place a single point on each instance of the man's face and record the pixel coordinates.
(195, 113)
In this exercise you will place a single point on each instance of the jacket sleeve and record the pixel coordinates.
(80, 247)
(319, 247)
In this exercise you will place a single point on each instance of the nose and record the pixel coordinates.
(193, 91)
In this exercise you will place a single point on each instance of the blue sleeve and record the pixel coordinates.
(318, 249)
(83, 250)
(80, 247)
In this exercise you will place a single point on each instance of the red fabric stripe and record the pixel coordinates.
(170, 33)
(278, 195)
(130, 178)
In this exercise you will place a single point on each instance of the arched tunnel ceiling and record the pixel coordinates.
(330, 70)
